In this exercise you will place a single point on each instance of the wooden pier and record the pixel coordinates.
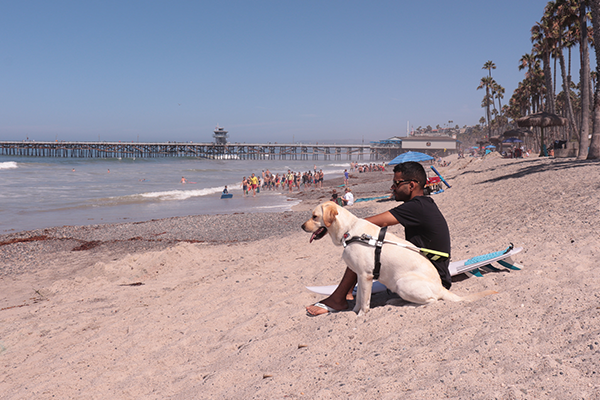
(228, 151)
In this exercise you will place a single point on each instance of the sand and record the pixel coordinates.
(199, 315)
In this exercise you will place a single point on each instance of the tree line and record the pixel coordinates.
(565, 26)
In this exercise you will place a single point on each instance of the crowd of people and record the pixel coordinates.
(296, 180)
(285, 181)
(354, 166)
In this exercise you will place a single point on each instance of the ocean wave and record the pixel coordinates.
(345, 165)
(278, 206)
(181, 194)
(8, 165)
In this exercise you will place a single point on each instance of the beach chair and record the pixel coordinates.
(473, 264)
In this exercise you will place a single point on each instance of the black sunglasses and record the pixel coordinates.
(398, 183)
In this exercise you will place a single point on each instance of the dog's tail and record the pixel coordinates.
(449, 296)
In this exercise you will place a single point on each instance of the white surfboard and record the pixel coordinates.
(327, 290)
(455, 267)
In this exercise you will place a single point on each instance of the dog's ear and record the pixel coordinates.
(329, 213)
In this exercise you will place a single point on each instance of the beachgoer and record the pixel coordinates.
(290, 180)
(254, 184)
(183, 180)
(337, 200)
(348, 197)
(245, 186)
(346, 176)
(225, 190)
(424, 226)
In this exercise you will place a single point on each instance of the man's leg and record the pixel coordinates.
(337, 300)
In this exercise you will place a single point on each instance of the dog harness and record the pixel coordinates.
(368, 239)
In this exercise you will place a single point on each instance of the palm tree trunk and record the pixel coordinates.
(594, 152)
(548, 82)
(555, 69)
(567, 91)
(487, 106)
(585, 83)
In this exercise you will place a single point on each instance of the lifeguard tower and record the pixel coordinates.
(220, 135)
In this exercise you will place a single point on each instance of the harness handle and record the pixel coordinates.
(378, 247)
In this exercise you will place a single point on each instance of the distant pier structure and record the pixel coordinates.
(212, 150)
(220, 135)
(220, 149)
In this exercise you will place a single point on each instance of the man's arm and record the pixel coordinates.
(383, 219)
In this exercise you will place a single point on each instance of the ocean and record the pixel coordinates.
(42, 192)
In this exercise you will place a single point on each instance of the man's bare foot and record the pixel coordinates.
(349, 296)
(324, 307)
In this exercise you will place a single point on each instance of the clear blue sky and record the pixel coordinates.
(265, 70)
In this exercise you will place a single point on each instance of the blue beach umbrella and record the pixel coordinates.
(512, 140)
(410, 156)
(491, 146)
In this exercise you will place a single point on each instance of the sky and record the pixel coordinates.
(268, 71)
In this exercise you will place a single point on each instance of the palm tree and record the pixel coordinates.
(486, 82)
(489, 65)
(499, 91)
(527, 61)
(542, 45)
(563, 15)
(585, 83)
(526, 99)
(594, 152)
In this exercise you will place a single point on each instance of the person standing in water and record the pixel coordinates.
(245, 186)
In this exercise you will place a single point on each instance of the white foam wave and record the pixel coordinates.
(8, 165)
(278, 206)
(181, 194)
(345, 165)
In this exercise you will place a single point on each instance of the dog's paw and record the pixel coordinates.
(361, 312)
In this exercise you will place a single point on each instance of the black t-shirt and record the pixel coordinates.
(425, 226)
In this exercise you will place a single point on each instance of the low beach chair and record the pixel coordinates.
(473, 264)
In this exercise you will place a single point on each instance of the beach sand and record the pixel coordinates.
(212, 307)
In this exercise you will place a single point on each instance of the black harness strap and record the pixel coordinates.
(378, 247)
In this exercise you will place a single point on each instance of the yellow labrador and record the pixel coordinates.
(403, 271)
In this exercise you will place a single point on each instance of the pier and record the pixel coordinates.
(211, 150)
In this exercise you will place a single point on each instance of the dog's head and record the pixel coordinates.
(322, 217)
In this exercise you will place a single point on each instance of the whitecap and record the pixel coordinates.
(8, 165)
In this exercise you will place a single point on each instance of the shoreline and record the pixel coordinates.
(21, 250)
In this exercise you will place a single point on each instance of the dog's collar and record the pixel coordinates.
(347, 239)
(364, 238)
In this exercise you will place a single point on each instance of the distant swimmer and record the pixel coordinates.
(225, 190)
(183, 180)
(109, 171)
(73, 169)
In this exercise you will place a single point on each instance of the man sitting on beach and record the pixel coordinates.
(424, 226)
(348, 197)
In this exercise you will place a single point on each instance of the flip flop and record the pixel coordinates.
(324, 307)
